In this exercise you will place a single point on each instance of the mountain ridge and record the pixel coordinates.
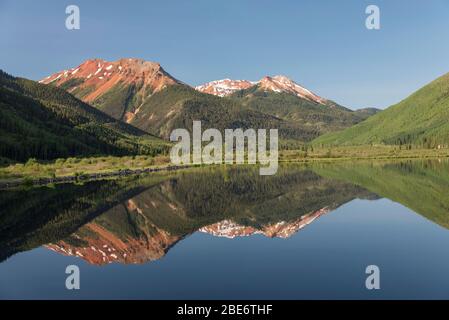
(143, 94)
(278, 83)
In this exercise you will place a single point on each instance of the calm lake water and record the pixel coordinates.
(305, 233)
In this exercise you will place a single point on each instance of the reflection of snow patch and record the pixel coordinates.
(170, 113)
(172, 206)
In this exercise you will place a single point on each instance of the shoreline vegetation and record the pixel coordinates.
(81, 169)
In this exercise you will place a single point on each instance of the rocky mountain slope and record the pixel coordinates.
(118, 88)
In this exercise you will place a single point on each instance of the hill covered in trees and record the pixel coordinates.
(419, 120)
(315, 117)
(178, 105)
(45, 122)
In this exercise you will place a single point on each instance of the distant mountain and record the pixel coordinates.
(178, 106)
(45, 122)
(117, 88)
(277, 84)
(283, 98)
(142, 94)
(421, 120)
(224, 87)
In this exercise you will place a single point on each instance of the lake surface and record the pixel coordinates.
(308, 232)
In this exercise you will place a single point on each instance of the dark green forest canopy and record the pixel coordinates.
(44, 122)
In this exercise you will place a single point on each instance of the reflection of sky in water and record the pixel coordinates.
(326, 259)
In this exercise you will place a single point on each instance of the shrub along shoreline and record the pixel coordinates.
(35, 172)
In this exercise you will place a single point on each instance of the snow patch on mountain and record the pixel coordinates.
(278, 84)
(224, 87)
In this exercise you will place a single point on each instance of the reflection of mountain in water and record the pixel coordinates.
(30, 218)
(231, 203)
(139, 219)
(282, 229)
(97, 245)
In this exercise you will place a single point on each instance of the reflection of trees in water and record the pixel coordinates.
(156, 212)
(422, 186)
(136, 208)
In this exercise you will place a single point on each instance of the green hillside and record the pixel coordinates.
(309, 115)
(178, 105)
(45, 122)
(419, 120)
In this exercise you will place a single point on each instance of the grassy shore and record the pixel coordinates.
(74, 167)
(34, 169)
(360, 152)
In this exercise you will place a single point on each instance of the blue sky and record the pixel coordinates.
(322, 45)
